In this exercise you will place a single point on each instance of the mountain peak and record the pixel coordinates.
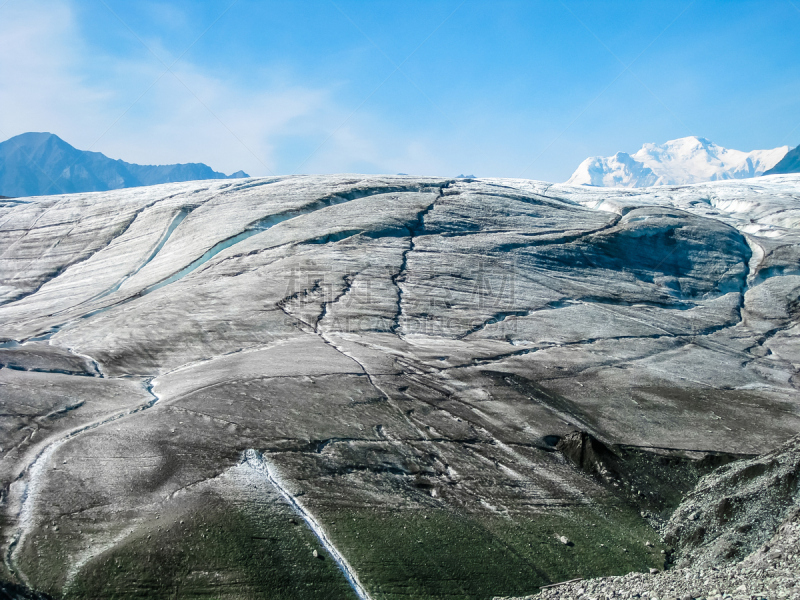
(41, 163)
(34, 136)
(694, 140)
(686, 160)
(33, 140)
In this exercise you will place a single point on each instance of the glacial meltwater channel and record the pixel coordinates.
(256, 461)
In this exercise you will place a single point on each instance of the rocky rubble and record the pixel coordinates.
(654, 480)
(738, 583)
(767, 504)
(735, 509)
(773, 578)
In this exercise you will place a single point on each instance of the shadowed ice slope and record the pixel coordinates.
(788, 164)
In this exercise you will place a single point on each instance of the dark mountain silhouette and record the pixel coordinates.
(35, 164)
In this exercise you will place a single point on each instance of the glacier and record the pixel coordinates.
(406, 352)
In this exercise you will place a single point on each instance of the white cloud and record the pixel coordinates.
(41, 89)
(54, 80)
(189, 116)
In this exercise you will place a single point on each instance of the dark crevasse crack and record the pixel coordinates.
(233, 188)
(207, 415)
(399, 277)
(121, 229)
(314, 329)
(284, 302)
(534, 198)
(91, 366)
(57, 414)
(319, 446)
(736, 455)
(501, 316)
(375, 234)
(564, 238)
(252, 229)
(12, 367)
(766, 337)
(686, 338)
(676, 304)
(332, 238)
(270, 221)
(682, 342)
(47, 278)
(6, 202)
(493, 320)
(478, 361)
(348, 280)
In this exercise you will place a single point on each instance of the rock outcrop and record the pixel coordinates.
(738, 508)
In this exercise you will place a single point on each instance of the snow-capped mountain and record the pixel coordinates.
(678, 162)
(788, 164)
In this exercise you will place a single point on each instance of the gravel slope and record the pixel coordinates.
(736, 535)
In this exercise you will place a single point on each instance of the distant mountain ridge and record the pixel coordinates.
(34, 164)
(788, 164)
(677, 162)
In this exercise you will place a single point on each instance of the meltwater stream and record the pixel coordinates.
(176, 221)
(30, 478)
(252, 229)
(255, 461)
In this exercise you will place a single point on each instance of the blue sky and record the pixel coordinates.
(502, 88)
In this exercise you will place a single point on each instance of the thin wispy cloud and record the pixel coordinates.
(130, 108)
